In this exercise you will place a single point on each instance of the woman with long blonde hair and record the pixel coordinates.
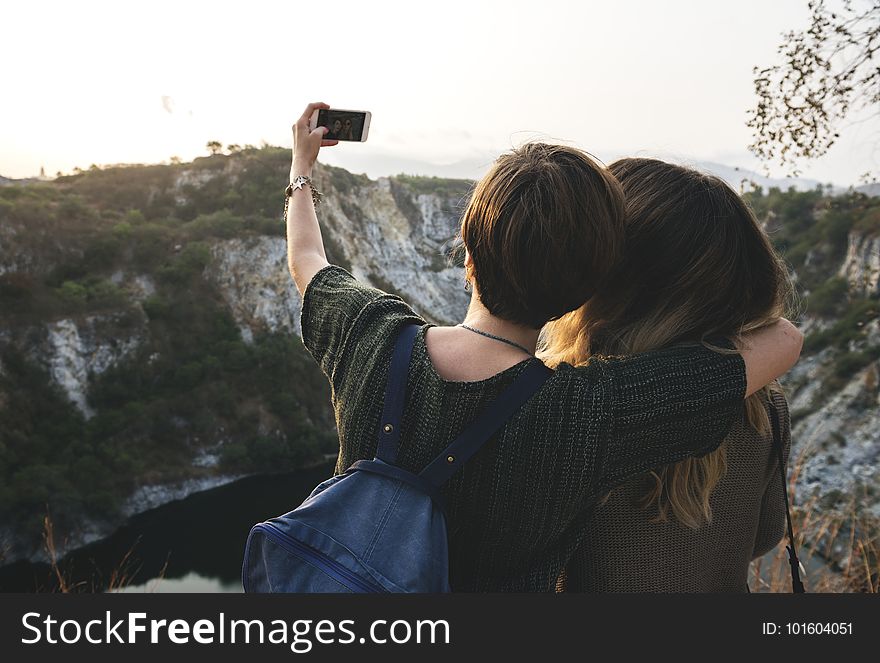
(697, 268)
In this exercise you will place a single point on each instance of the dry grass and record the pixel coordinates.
(121, 576)
(839, 550)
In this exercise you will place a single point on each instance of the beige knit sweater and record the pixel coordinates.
(623, 551)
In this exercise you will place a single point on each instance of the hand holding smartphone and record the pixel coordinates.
(347, 125)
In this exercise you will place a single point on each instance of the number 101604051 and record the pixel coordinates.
(807, 628)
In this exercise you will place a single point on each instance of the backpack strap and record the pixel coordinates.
(487, 422)
(797, 587)
(471, 438)
(395, 394)
(379, 467)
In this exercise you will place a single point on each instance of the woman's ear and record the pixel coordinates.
(468, 266)
(468, 270)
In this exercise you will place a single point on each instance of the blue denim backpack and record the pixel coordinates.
(377, 527)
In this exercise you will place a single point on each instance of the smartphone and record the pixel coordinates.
(343, 124)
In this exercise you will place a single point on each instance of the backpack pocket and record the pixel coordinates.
(277, 562)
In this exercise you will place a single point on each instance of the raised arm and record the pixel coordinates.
(305, 246)
(769, 353)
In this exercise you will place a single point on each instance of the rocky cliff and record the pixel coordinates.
(98, 273)
(833, 247)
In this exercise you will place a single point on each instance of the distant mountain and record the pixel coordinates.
(872, 189)
(8, 181)
(743, 179)
(383, 165)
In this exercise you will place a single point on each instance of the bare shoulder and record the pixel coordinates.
(458, 355)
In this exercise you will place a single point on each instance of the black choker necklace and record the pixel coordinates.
(496, 338)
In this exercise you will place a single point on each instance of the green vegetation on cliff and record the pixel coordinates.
(812, 231)
(192, 387)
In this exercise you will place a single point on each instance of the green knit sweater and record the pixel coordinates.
(518, 509)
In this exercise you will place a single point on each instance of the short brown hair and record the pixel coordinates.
(544, 227)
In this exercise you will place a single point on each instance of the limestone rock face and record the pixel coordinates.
(75, 350)
(838, 444)
(861, 267)
(385, 235)
(399, 241)
(251, 274)
(836, 434)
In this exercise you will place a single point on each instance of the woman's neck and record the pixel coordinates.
(459, 355)
(479, 317)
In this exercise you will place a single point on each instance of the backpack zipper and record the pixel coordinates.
(330, 566)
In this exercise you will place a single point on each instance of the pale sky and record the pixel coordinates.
(447, 81)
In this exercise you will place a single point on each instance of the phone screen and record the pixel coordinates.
(343, 125)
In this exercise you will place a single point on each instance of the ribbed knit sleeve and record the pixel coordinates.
(667, 405)
(332, 302)
(339, 312)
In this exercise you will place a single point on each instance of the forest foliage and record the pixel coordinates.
(193, 386)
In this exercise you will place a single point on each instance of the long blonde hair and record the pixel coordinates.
(696, 267)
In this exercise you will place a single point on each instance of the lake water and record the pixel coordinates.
(191, 545)
(196, 544)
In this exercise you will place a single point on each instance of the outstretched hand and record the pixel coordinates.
(307, 144)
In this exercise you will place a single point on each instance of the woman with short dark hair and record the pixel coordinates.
(542, 231)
